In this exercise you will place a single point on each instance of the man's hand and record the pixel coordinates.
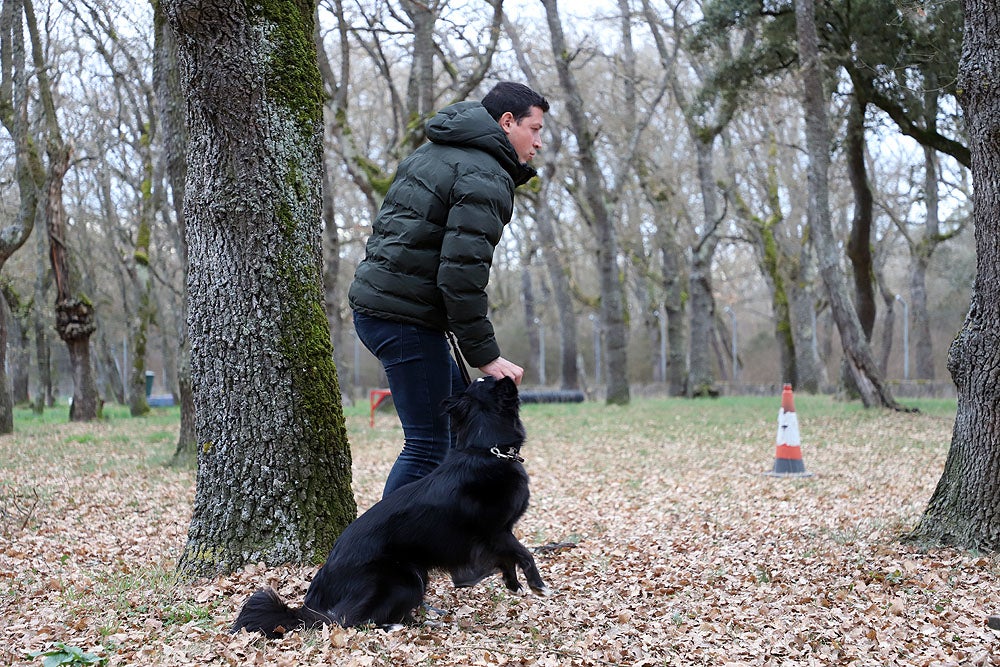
(501, 368)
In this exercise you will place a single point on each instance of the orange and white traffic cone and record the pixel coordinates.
(788, 456)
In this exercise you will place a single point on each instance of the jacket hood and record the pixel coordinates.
(469, 124)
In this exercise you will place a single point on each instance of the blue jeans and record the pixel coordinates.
(421, 373)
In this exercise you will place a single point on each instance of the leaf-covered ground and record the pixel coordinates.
(665, 543)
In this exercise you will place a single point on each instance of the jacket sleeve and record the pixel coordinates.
(482, 204)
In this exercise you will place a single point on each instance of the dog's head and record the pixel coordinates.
(486, 415)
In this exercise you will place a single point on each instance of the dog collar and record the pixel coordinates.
(510, 455)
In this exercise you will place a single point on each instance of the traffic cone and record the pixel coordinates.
(788, 456)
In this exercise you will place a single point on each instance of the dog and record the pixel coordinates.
(459, 518)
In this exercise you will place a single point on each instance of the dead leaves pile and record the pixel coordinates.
(665, 544)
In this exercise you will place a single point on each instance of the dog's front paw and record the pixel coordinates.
(543, 590)
(516, 589)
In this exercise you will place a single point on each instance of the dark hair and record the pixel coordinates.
(516, 98)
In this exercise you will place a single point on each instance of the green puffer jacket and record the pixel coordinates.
(428, 259)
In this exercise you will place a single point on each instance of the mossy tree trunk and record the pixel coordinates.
(142, 284)
(963, 511)
(274, 466)
(774, 259)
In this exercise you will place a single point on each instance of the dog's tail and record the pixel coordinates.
(267, 613)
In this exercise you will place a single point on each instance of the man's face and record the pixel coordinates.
(525, 135)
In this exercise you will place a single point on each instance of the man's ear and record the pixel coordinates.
(507, 121)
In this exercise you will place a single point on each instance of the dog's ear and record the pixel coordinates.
(506, 393)
(457, 407)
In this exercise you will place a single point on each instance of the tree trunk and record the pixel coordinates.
(810, 373)
(15, 355)
(332, 299)
(923, 346)
(707, 111)
(274, 466)
(889, 321)
(963, 509)
(336, 103)
(75, 318)
(545, 219)
(142, 283)
(673, 282)
(28, 170)
(674, 305)
(45, 394)
(701, 373)
(170, 101)
(774, 261)
(532, 323)
(21, 363)
(6, 398)
(595, 197)
(106, 370)
(920, 326)
(75, 321)
(420, 91)
(857, 353)
(859, 243)
(110, 377)
(569, 377)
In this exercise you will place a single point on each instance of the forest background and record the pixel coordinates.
(697, 135)
(672, 210)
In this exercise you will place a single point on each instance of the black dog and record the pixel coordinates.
(458, 518)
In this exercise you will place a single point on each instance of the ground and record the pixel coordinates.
(664, 542)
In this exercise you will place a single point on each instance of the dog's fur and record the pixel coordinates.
(458, 518)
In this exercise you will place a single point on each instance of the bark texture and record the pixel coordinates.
(274, 466)
(965, 507)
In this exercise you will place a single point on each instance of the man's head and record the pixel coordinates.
(518, 109)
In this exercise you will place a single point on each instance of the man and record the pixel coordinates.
(427, 262)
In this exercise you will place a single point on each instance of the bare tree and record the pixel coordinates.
(74, 310)
(28, 168)
(859, 359)
(140, 124)
(593, 197)
(926, 240)
(544, 221)
(707, 110)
